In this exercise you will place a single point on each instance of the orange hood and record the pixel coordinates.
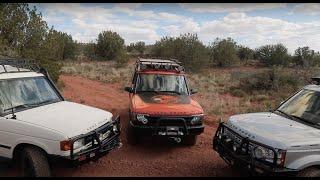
(165, 104)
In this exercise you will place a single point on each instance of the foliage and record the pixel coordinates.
(306, 57)
(187, 48)
(223, 52)
(273, 54)
(24, 33)
(245, 53)
(139, 46)
(109, 45)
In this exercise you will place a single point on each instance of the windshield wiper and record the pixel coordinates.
(305, 120)
(299, 118)
(288, 115)
(176, 92)
(149, 91)
(18, 107)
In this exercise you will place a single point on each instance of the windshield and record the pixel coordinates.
(162, 83)
(25, 92)
(305, 106)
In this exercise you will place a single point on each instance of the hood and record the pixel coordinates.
(165, 104)
(68, 118)
(276, 131)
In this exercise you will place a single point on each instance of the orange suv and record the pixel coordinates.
(160, 103)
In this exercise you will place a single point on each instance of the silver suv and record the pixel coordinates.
(284, 140)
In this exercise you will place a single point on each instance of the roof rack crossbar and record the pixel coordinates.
(21, 65)
(173, 63)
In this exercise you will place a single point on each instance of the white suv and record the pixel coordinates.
(36, 123)
(283, 141)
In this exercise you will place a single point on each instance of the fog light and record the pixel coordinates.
(115, 128)
(142, 118)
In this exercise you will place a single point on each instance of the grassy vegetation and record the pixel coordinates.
(221, 91)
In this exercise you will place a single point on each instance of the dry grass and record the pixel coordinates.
(107, 72)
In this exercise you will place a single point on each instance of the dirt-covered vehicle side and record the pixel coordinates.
(283, 141)
(37, 124)
(161, 103)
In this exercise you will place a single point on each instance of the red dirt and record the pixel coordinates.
(147, 158)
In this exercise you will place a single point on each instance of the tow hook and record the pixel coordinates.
(176, 139)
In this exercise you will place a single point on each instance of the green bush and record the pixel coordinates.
(109, 44)
(187, 48)
(223, 52)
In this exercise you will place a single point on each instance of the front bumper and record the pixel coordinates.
(161, 128)
(99, 148)
(244, 158)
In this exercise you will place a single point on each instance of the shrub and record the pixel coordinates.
(273, 55)
(109, 44)
(223, 52)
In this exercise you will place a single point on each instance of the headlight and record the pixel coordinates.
(78, 144)
(196, 120)
(263, 153)
(142, 118)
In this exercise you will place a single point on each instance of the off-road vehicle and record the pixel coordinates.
(37, 124)
(160, 103)
(283, 141)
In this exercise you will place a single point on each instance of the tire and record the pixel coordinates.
(309, 172)
(34, 163)
(190, 140)
(132, 137)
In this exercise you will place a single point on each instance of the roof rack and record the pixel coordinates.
(12, 65)
(159, 64)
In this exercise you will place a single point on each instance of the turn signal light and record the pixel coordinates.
(65, 145)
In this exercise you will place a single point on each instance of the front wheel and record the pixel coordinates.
(190, 140)
(34, 163)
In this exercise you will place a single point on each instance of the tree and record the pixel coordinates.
(273, 54)
(33, 40)
(109, 44)
(140, 47)
(13, 20)
(223, 52)
(89, 50)
(187, 48)
(306, 57)
(244, 53)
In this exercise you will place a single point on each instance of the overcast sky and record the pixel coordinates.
(253, 25)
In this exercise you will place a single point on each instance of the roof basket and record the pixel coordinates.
(159, 64)
(11, 65)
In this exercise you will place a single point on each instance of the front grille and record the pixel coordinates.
(172, 121)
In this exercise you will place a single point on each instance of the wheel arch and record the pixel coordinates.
(19, 147)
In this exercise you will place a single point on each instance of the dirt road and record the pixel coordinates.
(146, 159)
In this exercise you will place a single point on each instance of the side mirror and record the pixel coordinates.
(193, 91)
(129, 89)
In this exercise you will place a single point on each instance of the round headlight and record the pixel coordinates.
(142, 118)
(78, 144)
(259, 152)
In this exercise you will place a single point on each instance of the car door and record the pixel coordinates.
(7, 138)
